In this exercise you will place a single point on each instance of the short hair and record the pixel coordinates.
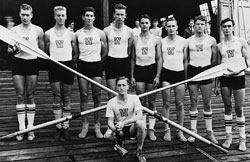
(201, 18)
(122, 78)
(26, 6)
(120, 6)
(145, 16)
(171, 19)
(59, 8)
(88, 8)
(191, 20)
(155, 20)
(226, 20)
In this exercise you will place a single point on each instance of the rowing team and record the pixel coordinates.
(147, 60)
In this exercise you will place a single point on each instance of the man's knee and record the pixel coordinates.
(84, 96)
(140, 124)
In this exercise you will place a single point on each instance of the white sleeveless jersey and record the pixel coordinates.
(89, 46)
(31, 36)
(145, 53)
(60, 47)
(173, 53)
(200, 52)
(118, 43)
(232, 52)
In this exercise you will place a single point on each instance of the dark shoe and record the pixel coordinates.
(140, 156)
(66, 134)
(58, 134)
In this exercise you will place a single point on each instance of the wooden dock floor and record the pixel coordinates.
(43, 149)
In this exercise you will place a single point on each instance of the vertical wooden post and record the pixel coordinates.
(105, 12)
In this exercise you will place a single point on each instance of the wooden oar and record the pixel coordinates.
(166, 120)
(214, 72)
(28, 48)
(11, 38)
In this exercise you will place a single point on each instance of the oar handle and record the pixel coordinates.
(219, 148)
(164, 119)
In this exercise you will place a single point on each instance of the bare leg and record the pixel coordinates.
(226, 94)
(193, 93)
(96, 91)
(179, 97)
(166, 95)
(19, 83)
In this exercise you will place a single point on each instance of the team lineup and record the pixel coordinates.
(144, 61)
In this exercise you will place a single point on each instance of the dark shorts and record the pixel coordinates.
(90, 69)
(25, 67)
(116, 67)
(145, 73)
(172, 76)
(58, 73)
(233, 82)
(126, 133)
(192, 71)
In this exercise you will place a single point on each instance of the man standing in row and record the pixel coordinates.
(61, 46)
(202, 56)
(92, 47)
(232, 48)
(120, 39)
(25, 70)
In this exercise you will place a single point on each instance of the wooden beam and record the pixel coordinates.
(105, 12)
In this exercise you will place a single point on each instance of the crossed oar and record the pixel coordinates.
(12, 39)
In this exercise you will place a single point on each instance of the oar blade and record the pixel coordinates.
(219, 70)
(11, 38)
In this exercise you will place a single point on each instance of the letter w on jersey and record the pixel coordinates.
(59, 43)
(230, 53)
(171, 50)
(123, 112)
(88, 41)
(199, 47)
(117, 40)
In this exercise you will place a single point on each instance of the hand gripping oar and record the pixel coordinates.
(13, 39)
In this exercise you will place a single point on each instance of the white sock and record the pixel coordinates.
(31, 108)
(57, 110)
(66, 112)
(193, 119)
(208, 120)
(151, 122)
(20, 108)
(241, 126)
(228, 123)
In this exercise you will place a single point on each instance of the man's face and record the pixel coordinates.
(89, 18)
(200, 26)
(155, 23)
(60, 17)
(145, 24)
(171, 27)
(191, 24)
(25, 16)
(122, 87)
(120, 15)
(137, 23)
(227, 28)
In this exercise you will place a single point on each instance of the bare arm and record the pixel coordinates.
(111, 124)
(214, 53)
(41, 39)
(130, 42)
(104, 50)
(133, 59)
(74, 47)
(185, 59)
(245, 52)
(159, 61)
(47, 42)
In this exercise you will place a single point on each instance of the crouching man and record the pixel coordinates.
(125, 117)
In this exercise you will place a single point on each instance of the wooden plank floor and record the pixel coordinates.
(43, 149)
